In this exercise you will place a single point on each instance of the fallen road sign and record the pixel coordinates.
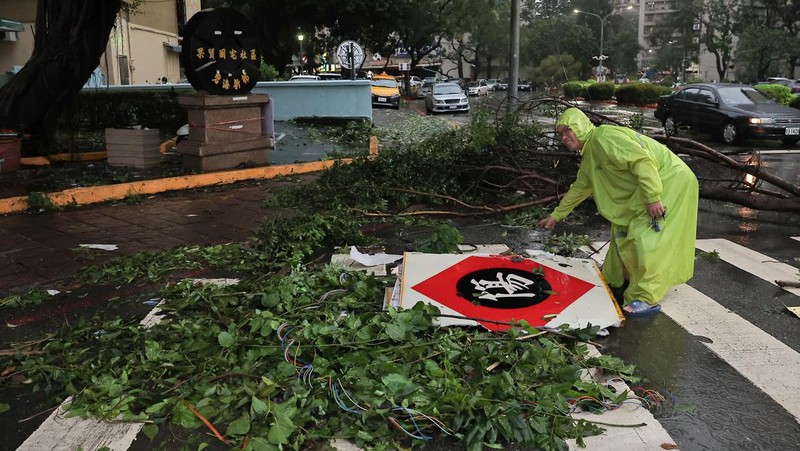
(497, 290)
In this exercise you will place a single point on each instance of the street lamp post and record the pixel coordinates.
(300, 38)
(602, 26)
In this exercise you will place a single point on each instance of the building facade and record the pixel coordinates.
(143, 47)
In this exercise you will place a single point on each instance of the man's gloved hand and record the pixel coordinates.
(548, 223)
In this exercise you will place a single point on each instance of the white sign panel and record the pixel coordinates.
(494, 290)
(343, 53)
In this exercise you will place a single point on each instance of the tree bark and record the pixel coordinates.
(71, 35)
(756, 202)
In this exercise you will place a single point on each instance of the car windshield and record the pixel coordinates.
(384, 83)
(739, 96)
(447, 89)
(473, 84)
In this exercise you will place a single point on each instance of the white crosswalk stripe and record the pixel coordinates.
(751, 261)
(59, 433)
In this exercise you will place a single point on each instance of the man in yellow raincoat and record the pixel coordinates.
(650, 197)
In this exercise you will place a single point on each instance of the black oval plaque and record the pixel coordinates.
(503, 288)
(220, 52)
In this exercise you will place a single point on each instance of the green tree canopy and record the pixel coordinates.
(555, 70)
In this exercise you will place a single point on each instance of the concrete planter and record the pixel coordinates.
(10, 151)
(132, 148)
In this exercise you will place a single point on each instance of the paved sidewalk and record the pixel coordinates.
(45, 247)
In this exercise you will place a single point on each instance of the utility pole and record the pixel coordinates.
(300, 38)
(513, 64)
(601, 57)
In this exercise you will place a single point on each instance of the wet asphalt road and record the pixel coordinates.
(711, 405)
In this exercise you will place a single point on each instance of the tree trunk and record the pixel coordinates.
(71, 35)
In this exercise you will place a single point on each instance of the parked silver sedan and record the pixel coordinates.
(477, 88)
(446, 97)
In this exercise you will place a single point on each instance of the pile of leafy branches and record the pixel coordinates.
(312, 356)
(492, 167)
(295, 355)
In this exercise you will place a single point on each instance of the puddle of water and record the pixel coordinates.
(710, 406)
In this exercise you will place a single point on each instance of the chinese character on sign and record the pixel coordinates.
(513, 286)
(503, 288)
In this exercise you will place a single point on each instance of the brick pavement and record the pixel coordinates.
(45, 247)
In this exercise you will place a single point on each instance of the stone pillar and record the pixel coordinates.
(225, 132)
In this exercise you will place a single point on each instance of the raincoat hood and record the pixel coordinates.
(578, 123)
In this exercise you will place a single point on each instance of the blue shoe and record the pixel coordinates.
(639, 308)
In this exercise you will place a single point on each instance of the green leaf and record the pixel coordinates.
(183, 416)
(258, 406)
(271, 300)
(261, 444)
(396, 331)
(398, 384)
(150, 430)
(155, 408)
(225, 339)
(239, 426)
(280, 431)
(4, 407)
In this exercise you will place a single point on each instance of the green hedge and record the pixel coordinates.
(574, 89)
(640, 93)
(779, 93)
(81, 125)
(628, 93)
(105, 109)
(600, 91)
(795, 102)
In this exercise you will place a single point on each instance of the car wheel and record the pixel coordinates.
(790, 141)
(669, 126)
(730, 133)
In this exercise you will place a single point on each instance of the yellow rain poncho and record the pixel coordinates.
(624, 171)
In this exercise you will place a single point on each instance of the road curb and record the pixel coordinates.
(96, 194)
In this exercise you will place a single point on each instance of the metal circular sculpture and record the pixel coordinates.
(220, 52)
(348, 49)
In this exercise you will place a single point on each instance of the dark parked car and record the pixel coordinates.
(730, 111)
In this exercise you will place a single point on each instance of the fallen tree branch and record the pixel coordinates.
(523, 173)
(754, 201)
(788, 283)
(694, 148)
(489, 211)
